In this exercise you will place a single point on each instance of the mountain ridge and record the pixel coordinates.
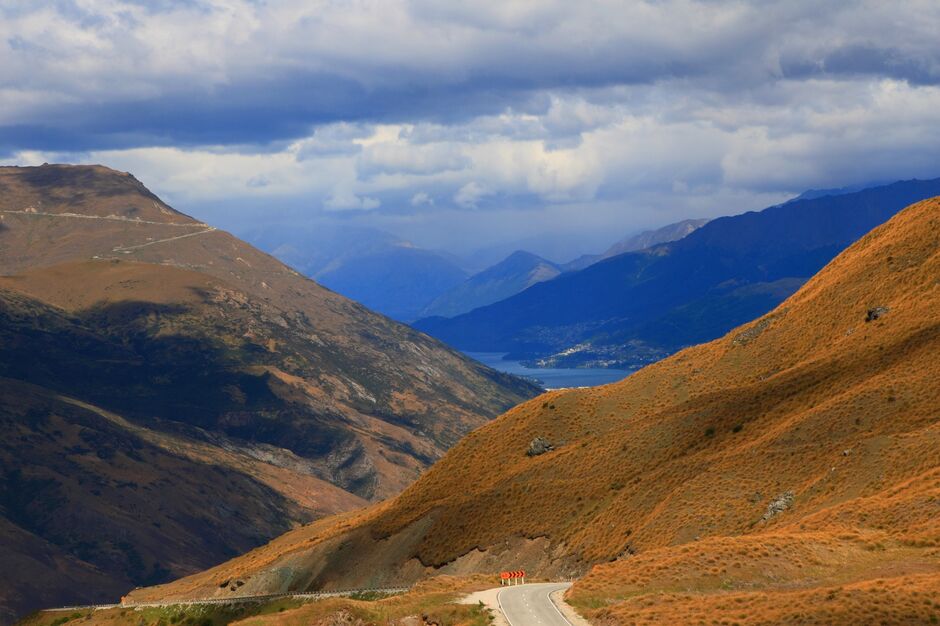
(517, 272)
(638, 307)
(640, 241)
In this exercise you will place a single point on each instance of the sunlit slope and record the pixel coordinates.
(832, 397)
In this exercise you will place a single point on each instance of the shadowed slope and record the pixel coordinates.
(97, 505)
(359, 365)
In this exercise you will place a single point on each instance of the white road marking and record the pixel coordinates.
(527, 605)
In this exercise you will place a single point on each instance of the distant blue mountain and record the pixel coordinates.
(515, 273)
(397, 281)
(640, 306)
(640, 241)
(812, 194)
(380, 270)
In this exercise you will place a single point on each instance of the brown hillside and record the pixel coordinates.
(214, 352)
(356, 362)
(797, 452)
(83, 190)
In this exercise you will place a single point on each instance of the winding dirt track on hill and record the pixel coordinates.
(125, 249)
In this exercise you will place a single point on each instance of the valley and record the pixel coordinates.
(424, 313)
(551, 378)
(786, 463)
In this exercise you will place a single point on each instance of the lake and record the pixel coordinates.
(551, 378)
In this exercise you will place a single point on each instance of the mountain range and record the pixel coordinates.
(640, 241)
(783, 473)
(172, 396)
(638, 307)
(392, 276)
(522, 269)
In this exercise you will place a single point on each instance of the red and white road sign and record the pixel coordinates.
(508, 577)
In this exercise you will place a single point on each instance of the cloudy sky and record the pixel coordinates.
(463, 124)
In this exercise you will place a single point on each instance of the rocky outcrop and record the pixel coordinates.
(539, 445)
(876, 313)
(778, 505)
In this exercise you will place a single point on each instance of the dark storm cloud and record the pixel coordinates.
(255, 111)
(98, 79)
(859, 60)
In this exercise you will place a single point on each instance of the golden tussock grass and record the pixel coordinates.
(669, 474)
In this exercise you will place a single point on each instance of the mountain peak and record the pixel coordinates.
(522, 255)
(640, 241)
(517, 272)
(92, 191)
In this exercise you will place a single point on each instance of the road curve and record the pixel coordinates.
(530, 605)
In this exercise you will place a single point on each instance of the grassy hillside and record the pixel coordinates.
(435, 601)
(792, 459)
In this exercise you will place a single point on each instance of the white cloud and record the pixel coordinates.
(470, 194)
(626, 113)
(343, 199)
(421, 198)
(332, 140)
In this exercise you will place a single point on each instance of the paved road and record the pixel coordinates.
(530, 605)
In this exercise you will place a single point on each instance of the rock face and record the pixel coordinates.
(539, 445)
(778, 505)
(876, 313)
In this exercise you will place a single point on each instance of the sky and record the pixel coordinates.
(558, 125)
